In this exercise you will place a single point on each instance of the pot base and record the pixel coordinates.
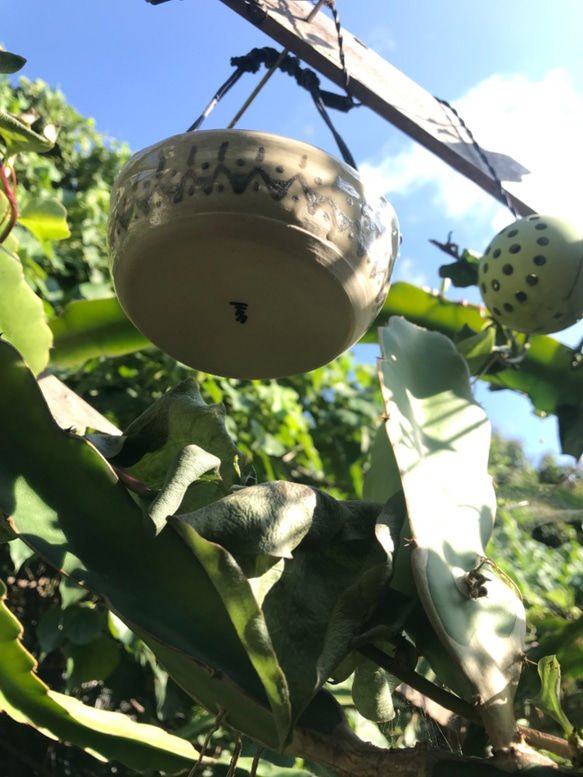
(240, 297)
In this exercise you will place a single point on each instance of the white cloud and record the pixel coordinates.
(538, 123)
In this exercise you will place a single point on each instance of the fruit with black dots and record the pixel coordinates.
(531, 275)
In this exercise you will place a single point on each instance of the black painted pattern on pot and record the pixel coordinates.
(152, 191)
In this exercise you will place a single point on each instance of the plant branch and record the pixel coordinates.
(533, 737)
(548, 742)
(421, 684)
(12, 202)
(344, 753)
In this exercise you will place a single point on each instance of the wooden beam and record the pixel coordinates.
(385, 90)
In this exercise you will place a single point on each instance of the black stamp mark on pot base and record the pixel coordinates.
(240, 308)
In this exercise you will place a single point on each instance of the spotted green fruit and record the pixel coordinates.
(531, 275)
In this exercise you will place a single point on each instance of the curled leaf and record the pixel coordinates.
(268, 519)
(549, 697)
(191, 463)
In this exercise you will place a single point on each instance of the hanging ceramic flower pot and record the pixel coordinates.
(246, 254)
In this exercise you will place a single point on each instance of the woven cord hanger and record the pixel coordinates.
(248, 254)
(305, 77)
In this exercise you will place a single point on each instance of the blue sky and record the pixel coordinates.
(513, 69)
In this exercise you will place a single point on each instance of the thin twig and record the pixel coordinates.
(205, 744)
(256, 760)
(12, 201)
(235, 757)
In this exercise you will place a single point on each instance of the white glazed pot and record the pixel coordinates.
(246, 254)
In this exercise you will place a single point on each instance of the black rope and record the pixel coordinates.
(344, 150)
(231, 81)
(304, 77)
(256, 11)
(503, 194)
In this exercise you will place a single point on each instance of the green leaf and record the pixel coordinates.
(70, 592)
(190, 464)
(87, 329)
(332, 564)
(49, 629)
(270, 519)
(46, 219)
(570, 418)
(20, 553)
(106, 735)
(7, 533)
(176, 440)
(83, 623)
(440, 437)
(566, 641)
(237, 597)
(477, 348)
(80, 623)
(68, 504)
(382, 480)
(11, 63)
(426, 308)
(549, 698)
(545, 374)
(372, 692)
(19, 137)
(215, 691)
(462, 273)
(22, 316)
(90, 662)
